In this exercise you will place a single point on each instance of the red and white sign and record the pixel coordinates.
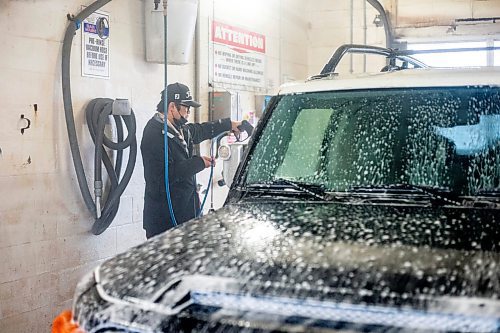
(233, 36)
(239, 56)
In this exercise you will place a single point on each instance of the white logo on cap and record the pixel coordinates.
(188, 94)
(177, 96)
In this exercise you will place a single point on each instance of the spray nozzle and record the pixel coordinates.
(246, 126)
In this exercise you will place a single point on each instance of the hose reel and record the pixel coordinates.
(97, 113)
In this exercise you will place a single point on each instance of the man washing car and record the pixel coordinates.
(182, 164)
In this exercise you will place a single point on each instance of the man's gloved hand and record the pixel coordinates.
(208, 161)
(234, 127)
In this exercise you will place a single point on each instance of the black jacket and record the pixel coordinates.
(183, 167)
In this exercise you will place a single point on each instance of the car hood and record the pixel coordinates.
(443, 260)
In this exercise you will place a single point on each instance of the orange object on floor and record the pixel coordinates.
(64, 323)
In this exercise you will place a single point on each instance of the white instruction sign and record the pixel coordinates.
(239, 56)
(95, 45)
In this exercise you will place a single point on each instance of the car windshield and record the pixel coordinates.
(439, 137)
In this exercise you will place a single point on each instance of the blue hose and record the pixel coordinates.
(167, 185)
(165, 128)
(200, 211)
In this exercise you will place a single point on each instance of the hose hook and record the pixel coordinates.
(28, 123)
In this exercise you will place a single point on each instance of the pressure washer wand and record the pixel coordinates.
(246, 127)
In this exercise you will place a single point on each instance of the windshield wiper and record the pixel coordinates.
(313, 190)
(441, 194)
(489, 198)
(489, 191)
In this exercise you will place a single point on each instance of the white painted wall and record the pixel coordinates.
(45, 243)
(330, 27)
(284, 25)
(281, 21)
(413, 21)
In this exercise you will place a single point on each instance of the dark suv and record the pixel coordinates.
(364, 203)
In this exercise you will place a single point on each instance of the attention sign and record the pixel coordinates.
(239, 56)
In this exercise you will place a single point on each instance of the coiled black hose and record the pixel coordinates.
(117, 187)
(97, 112)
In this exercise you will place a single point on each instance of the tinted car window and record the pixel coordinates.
(441, 137)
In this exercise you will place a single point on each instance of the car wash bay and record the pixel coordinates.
(46, 243)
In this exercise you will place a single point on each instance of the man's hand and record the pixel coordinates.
(234, 127)
(208, 161)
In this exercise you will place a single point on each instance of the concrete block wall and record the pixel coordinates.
(284, 24)
(330, 27)
(45, 243)
(413, 21)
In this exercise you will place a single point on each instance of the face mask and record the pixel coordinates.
(180, 122)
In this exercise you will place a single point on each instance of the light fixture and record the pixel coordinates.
(378, 21)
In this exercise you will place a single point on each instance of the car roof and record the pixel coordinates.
(408, 78)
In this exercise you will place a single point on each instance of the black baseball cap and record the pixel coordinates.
(180, 94)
